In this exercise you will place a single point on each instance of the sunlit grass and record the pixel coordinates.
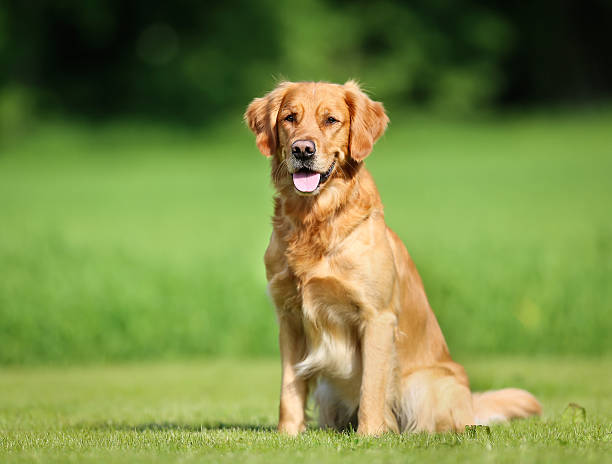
(225, 411)
(129, 241)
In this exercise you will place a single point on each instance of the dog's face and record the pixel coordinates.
(315, 132)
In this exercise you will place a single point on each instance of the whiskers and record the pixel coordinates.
(341, 168)
(278, 171)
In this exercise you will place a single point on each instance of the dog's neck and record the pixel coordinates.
(309, 225)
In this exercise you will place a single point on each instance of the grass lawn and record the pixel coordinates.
(129, 242)
(225, 411)
(126, 241)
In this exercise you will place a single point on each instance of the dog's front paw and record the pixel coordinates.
(291, 428)
(371, 430)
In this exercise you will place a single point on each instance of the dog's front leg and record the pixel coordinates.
(294, 389)
(377, 357)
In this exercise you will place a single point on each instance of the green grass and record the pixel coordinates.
(225, 411)
(130, 241)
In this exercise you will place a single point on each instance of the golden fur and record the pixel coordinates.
(355, 324)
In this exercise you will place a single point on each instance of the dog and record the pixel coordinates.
(355, 325)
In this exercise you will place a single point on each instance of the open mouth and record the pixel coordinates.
(307, 181)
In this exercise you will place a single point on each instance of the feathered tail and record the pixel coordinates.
(503, 405)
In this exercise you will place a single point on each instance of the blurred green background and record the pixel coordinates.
(134, 206)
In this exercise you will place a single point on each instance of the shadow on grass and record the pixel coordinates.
(163, 426)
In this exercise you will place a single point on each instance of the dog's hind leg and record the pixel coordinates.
(434, 400)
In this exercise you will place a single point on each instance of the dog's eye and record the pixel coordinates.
(331, 120)
(290, 118)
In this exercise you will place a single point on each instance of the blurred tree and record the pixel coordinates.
(560, 51)
(190, 60)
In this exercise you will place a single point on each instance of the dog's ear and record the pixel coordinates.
(368, 121)
(261, 117)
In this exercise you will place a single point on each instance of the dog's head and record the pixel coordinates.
(315, 132)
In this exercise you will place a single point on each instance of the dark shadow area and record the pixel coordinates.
(187, 427)
(187, 63)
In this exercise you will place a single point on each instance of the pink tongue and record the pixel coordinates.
(306, 181)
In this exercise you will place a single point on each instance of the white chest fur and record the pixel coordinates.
(331, 322)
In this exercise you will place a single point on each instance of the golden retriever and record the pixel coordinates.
(355, 324)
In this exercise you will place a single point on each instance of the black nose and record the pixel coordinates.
(303, 149)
